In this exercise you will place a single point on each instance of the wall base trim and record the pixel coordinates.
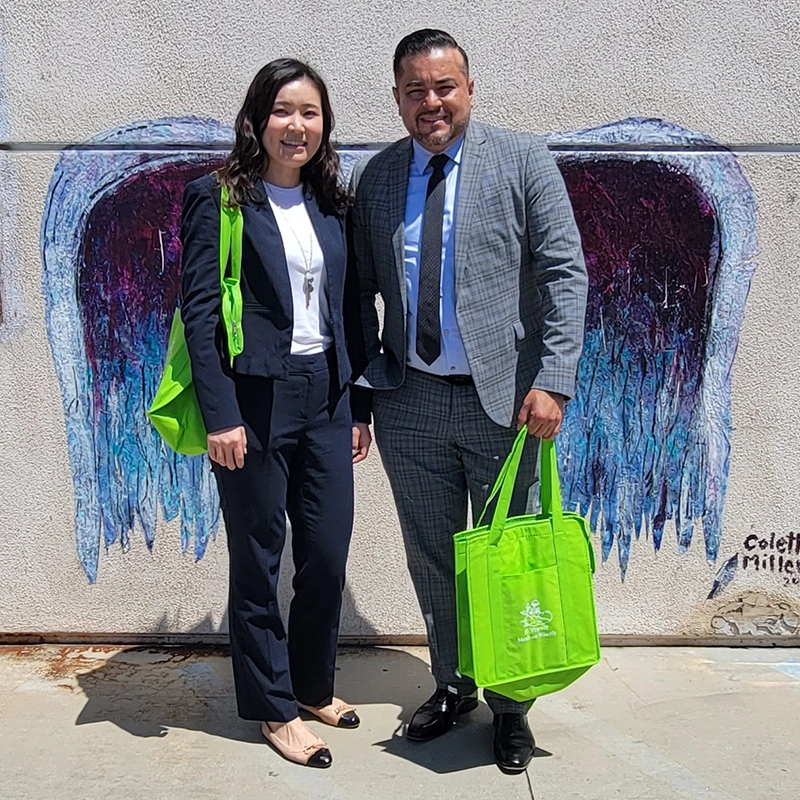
(376, 640)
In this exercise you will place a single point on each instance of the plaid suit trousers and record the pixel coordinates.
(439, 448)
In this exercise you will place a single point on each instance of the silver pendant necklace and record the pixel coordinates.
(308, 260)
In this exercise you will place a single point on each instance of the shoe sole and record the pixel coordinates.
(423, 738)
(511, 770)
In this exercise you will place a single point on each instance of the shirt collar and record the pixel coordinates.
(421, 156)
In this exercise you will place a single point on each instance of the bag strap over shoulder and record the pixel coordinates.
(231, 227)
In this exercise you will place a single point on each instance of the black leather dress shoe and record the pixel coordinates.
(437, 715)
(513, 742)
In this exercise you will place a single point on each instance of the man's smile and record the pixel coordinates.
(439, 116)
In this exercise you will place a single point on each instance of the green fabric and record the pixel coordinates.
(525, 603)
(231, 226)
(174, 411)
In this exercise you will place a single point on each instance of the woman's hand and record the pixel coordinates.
(362, 439)
(228, 447)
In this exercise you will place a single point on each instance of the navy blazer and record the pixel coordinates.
(267, 314)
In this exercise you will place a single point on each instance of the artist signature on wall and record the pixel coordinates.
(778, 553)
(775, 553)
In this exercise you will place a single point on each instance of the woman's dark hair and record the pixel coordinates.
(244, 166)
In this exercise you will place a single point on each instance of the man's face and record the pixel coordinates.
(434, 97)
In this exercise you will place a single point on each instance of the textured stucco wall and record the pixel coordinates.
(71, 69)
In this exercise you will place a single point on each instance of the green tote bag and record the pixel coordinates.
(525, 604)
(174, 411)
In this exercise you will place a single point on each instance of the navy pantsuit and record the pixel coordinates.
(300, 464)
(297, 414)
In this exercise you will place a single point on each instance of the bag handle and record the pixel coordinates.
(549, 486)
(497, 485)
(231, 227)
(230, 238)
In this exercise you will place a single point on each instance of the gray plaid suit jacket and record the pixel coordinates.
(519, 271)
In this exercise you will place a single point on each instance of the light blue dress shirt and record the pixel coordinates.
(453, 358)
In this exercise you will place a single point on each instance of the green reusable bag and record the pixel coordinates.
(525, 604)
(174, 411)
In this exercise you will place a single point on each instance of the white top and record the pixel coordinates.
(311, 332)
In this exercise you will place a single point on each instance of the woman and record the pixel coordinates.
(282, 438)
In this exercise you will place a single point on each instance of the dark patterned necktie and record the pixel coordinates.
(429, 343)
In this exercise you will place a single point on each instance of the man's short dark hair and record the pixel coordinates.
(423, 42)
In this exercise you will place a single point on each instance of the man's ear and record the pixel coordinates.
(471, 90)
(396, 97)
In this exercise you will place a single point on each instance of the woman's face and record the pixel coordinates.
(294, 131)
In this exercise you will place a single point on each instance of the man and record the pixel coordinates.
(467, 233)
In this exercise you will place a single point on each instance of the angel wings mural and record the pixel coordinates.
(668, 226)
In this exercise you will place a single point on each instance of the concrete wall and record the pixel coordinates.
(72, 70)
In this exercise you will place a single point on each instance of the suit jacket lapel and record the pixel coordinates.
(329, 235)
(469, 184)
(397, 190)
(269, 246)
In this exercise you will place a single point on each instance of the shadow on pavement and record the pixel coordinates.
(146, 691)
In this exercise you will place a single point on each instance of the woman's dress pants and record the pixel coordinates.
(299, 461)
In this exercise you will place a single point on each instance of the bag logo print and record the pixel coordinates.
(535, 622)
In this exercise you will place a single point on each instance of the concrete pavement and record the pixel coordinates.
(160, 723)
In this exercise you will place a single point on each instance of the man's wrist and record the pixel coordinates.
(554, 393)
